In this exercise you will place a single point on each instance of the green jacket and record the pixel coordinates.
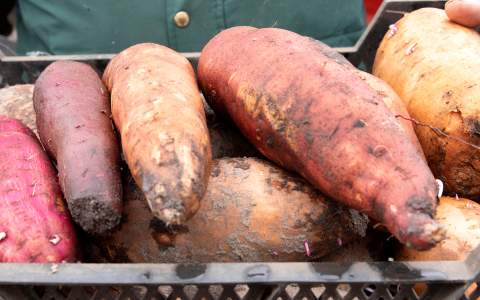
(108, 26)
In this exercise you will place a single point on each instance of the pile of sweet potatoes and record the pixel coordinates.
(349, 152)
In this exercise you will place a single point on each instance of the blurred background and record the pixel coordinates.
(8, 17)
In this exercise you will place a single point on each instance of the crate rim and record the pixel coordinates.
(408, 272)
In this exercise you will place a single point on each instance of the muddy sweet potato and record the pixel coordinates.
(311, 113)
(36, 226)
(73, 120)
(252, 211)
(461, 220)
(158, 110)
(432, 64)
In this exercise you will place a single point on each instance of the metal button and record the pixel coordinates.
(181, 19)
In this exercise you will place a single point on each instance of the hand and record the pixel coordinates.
(464, 12)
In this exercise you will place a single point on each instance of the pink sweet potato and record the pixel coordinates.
(36, 226)
(73, 120)
(311, 113)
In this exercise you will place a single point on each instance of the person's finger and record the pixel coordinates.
(464, 12)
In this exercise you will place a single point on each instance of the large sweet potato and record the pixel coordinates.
(35, 226)
(73, 119)
(252, 211)
(313, 114)
(432, 64)
(157, 108)
(461, 220)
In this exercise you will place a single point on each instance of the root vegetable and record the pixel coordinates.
(310, 112)
(252, 211)
(73, 119)
(158, 110)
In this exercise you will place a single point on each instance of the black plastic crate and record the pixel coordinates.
(359, 280)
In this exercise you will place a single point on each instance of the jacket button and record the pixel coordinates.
(181, 19)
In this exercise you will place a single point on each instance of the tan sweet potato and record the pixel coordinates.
(461, 220)
(73, 119)
(432, 64)
(35, 224)
(308, 111)
(157, 108)
(252, 211)
(16, 102)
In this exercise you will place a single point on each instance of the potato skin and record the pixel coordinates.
(73, 120)
(395, 104)
(157, 108)
(432, 64)
(32, 209)
(252, 211)
(312, 114)
(16, 102)
(461, 220)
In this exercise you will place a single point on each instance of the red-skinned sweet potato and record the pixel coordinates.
(252, 211)
(158, 110)
(314, 115)
(36, 226)
(73, 120)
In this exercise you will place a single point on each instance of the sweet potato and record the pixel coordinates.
(252, 211)
(16, 102)
(36, 226)
(73, 119)
(461, 220)
(157, 108)
(313, 114)
(432, 64)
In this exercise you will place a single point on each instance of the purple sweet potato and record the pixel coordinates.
(36, 226)
(73, 120)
